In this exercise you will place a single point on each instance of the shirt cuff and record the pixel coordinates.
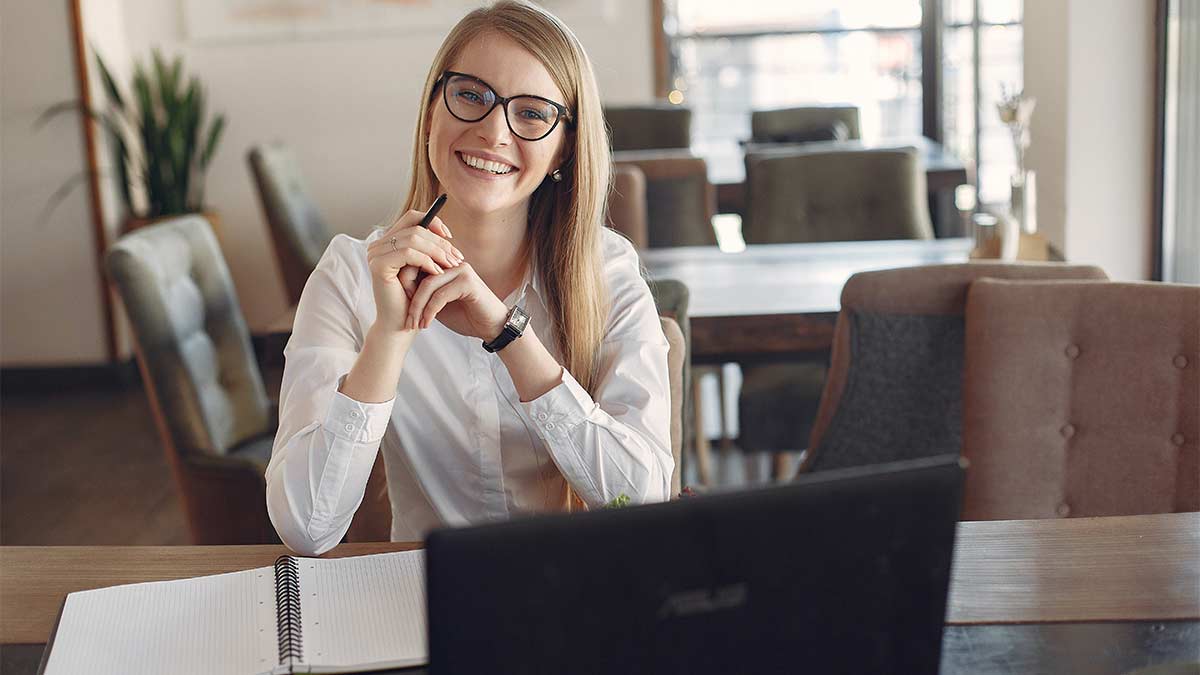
(561, 409)
(355, 421)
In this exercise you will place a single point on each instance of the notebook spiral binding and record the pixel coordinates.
(287, 610)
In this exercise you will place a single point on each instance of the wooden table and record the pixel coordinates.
(1137, 575)
(779, 300)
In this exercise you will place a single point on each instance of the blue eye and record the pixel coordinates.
(469, 96)
(533, 115)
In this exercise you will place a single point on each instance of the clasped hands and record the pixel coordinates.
(449, 290)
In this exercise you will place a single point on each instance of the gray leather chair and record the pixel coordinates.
(298, 231)
(680, 202)
(805, 124)
(649, 127)
(799, 195)
(206, 393)
(895, 385)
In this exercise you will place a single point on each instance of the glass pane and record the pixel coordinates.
(1000, 64)
(958, 11)
(779, 15)
(958, 92)
(1000, 11)
(729, 77)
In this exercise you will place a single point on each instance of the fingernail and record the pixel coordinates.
(408, 323)
(448, 232)
(459, 254)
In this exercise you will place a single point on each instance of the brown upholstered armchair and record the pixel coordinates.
(894, 389)
(680, 201)
(804, 124)
(799, 195)
(298, 231)
(649, 127)
(1081, 399)
(206, 393)
(627, 204)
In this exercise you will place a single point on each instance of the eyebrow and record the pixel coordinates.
(497, 91)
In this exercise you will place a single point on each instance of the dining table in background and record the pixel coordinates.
(775, 301)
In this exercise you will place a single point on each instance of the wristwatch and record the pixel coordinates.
(514, 326)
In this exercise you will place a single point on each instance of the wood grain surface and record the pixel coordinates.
(1126, 568)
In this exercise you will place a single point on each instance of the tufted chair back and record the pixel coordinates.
(298, 231)
(200, 374)
(799, 195)
(649, 127)
(803, 124)
(1081, 399)
(894, 389)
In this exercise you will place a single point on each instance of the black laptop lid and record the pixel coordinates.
(842, 571)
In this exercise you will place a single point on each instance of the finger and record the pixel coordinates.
(408, 280)
(441, 228)
(440, 242)
(425, 289)
(440, 298)
(405, 220)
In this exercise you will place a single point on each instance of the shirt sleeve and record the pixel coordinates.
(617, 441)
(326, 443)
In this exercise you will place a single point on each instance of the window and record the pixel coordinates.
(728, 59)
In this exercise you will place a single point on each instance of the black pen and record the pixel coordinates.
(433, 211)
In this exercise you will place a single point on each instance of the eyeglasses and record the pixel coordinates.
(470, 99)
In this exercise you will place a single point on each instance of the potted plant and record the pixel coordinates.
(160, 144)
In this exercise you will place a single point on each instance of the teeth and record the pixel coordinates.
(486, 165)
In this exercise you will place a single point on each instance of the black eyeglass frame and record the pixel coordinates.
(564, 113)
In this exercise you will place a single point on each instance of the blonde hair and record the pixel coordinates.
(565, 218)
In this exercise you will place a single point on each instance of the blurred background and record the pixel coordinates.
(1112, 141)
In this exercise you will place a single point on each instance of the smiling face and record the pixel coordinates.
(482, 165)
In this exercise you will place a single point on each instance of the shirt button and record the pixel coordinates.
(1181, 361)
(549, 426)
(1072, 351)
(1063, 510)
(1178, 439)
(1067, 431)
(542, 416)
(349, 427)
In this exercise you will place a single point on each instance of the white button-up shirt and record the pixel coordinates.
(459, 445)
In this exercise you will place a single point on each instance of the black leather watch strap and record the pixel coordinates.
(514, 326)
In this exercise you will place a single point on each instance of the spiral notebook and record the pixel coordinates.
(303, 615)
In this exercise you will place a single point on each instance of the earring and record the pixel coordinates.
(556, 176)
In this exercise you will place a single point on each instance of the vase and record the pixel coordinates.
(1024, 201)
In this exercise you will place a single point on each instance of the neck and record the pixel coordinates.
(493, 243)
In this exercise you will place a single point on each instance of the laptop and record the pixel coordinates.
(836, 572)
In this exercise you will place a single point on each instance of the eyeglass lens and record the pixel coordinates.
(471, 100)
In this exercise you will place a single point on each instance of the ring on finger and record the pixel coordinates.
(394, 249)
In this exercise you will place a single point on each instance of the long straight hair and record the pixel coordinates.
(565, 217)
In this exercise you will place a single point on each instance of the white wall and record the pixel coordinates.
(50, 303)
(1090, 64)
(347, 106)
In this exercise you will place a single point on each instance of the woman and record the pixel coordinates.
(386, 350)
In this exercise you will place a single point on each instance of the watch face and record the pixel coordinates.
(519, 319)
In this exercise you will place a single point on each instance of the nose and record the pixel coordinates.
(493, 129)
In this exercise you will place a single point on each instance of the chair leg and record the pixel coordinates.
(703, 449)
(726, 442)
(782, 468)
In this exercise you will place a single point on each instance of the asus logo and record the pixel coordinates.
(703, 601)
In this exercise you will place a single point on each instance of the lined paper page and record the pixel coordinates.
(364, 610)
(194, 626)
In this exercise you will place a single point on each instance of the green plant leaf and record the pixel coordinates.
(110, 85)
(214, 135)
